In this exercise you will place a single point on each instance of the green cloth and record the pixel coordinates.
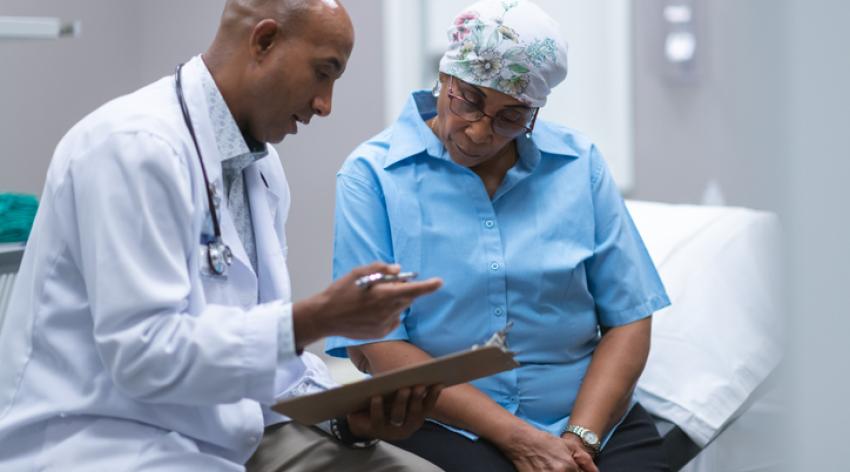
(17, 212)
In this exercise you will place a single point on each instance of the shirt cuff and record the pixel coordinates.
(285, 336)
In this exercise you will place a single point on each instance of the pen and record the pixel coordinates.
(378, 278)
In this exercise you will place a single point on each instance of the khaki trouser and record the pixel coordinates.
(292, 447)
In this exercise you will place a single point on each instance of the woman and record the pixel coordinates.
(523, 222)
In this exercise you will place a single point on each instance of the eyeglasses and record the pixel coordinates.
(509, 122)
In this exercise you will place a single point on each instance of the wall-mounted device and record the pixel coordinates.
(27, 27)
(681, 49)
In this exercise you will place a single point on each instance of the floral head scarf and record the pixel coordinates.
(508, 45)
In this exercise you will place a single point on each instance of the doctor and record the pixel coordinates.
(151, 323)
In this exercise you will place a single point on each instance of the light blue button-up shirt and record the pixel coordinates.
(555, 251)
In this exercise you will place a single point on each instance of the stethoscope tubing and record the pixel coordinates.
(216, 248)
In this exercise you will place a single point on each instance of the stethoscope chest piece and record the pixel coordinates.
(219, 257)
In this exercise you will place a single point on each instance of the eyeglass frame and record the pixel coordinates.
(452, 97)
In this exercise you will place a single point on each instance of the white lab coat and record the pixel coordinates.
(117, 353)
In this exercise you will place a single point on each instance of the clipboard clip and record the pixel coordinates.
(498, 339)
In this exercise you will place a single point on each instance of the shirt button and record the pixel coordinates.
(252, 439)
(489, 223)
(498, 312)
(494, 266)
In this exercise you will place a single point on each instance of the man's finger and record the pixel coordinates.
(415, 410)
(396, 321)
(374, 267)
(399, 407)
(411, 290)
(376, 413)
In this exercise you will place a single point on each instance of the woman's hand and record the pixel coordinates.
(581, 455)
(533, 450)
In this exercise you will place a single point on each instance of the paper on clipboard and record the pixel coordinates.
(479, 361)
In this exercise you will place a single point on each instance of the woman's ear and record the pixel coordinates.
(438, 86)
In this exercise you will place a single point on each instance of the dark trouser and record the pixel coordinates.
(634, 447)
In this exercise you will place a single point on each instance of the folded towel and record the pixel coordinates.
(17, 212)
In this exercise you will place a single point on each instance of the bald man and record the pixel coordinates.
(151, 324)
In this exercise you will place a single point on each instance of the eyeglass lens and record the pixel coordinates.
(508, 122)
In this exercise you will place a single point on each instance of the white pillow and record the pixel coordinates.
(721, 336)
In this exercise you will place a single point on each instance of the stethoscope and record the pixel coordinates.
(219, 255)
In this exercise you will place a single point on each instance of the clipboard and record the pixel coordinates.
(479, 361)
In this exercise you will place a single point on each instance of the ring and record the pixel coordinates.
(397, 424)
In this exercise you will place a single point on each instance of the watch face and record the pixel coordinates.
(590, 437)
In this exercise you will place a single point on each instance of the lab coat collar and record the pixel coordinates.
(193, 93)
(199, 111)
(273, 279)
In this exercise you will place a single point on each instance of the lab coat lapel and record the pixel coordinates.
(271, 263)
(199, 111)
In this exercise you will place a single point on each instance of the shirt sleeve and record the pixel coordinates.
(621, 275)
(296, 377)
(285, 335)
(133, 204)
(361, 236)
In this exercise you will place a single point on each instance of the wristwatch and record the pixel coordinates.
(341, 431)
(588, 437)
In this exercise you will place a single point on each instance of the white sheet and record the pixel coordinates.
(721, 337)
(749, 444)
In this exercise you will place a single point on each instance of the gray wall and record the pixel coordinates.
(769, 119)
(819, 230)
(47, 86)
(730, 125)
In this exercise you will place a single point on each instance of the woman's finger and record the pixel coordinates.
(585, 461)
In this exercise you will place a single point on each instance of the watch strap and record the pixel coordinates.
(342, 432)
(582, 434)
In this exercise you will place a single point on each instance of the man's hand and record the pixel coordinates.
(343, 309)
(405, 415)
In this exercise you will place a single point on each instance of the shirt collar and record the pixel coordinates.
(411, 136)
(230, 141)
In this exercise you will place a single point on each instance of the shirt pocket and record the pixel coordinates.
(218, 289)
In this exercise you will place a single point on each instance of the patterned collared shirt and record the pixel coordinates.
(237, 151)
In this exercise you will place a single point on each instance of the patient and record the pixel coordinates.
(522, 220)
